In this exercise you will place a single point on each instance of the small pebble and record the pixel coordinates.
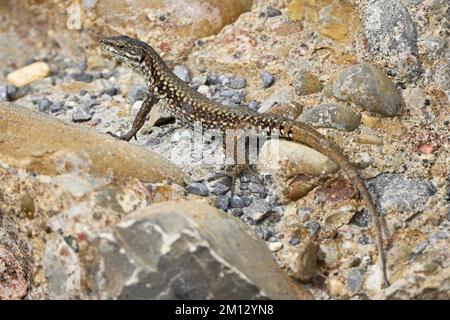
(83, 93)
(81, 115)
(272, 12)
(313, 226)
(275, 246)
(56, 107)
(111, 91)
(198, 188)
(137, 92)
(90, 103)
(83, 77)
(7, 92)
(256, 188)
(199, 80)
(257, 210)
(44, 105)
(222, 202)
(236, 202)
(237, 83)
(205, 90)
(267, 79)
(254, 105)
(294, 241)
(182, 72)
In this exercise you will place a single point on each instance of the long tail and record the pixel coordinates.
(299, 132)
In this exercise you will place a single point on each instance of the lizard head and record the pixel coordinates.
(128, 50)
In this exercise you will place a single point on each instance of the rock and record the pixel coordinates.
(15, 263)
(306, 262)
(267, 79)
(7, 93)
(81, 115)
(391, 36)
(200, 80)
(365, 86)
(141, 258)
(198, 188)
(222, 202)
(44, 105)
(369, 136)
(48, 144)
(275, 246)
(307, 83)
(222, 186)
(257, 210)
(237, 83)
(205, 90)
(336, 287)
(332, 116)
(272, 12)
(28, 74)
(286, 159)
(312, 226)
(355, 279)
(299, 187)
(254, 105)
(291, 110)
(442, 75)
(182, 72)
(138, 92)
(434, 46)
(83, 77)
(237, 202)
(396, 192)
(337, 20)
(283, 95)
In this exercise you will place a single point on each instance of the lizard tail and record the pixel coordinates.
(301, 133)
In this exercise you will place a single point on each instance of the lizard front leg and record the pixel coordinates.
(139, 120)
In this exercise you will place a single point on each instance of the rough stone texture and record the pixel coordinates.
(392, 36)
(367, 87)
(48, 146)
(183, 250)
(15, 262)
(332, 116)
(396, 192)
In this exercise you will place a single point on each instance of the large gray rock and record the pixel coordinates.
(396, 192)
(392, 36)
(365, 86)
(183, 250)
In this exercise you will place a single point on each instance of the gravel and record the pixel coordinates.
(83, 77)
(198, 188)
(137, 93)
(44, 105)
(222, 202)
(267, 79)
(272, 12)
(81, 115)
(237, 83)
(182, 72)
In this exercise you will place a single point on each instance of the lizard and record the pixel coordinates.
(187, 106)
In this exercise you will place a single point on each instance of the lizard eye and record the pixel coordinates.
(141, 59)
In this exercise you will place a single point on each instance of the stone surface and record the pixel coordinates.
(43, 145)
(15, 263)
(332, 116)
(307, 83)
(283, 95)
(392, 36)
(28, 74)
(396, 192)
(337, 20)
(365, 86)
(147, 250)
(294, 158)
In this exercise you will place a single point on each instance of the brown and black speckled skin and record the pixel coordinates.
(189, 106)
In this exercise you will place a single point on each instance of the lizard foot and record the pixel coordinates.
(125, 137)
